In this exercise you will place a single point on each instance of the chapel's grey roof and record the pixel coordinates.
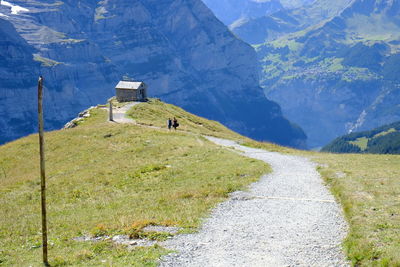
(128, 85)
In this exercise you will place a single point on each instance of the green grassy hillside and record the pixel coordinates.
(382, 140)
(368, 188)
(156, 113)
(106, 179)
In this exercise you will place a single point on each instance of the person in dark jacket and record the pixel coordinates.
(169, 123)
(175, 123)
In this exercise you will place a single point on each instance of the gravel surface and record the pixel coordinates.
(288, 218)
(119, 114)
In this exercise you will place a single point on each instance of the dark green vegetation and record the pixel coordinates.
(107, 179)
(382, 140)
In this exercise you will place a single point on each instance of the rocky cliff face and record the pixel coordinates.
(178, 47)
(17, 69)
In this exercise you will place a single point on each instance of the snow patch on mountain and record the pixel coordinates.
(15, 9)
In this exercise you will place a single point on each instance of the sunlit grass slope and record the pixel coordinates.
(368, 187)
(156, 113)
(107, 178)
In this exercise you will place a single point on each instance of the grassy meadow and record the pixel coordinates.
(107, 179)
(368, 187)
(156, 113)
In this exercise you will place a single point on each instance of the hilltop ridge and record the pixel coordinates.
(185, 55)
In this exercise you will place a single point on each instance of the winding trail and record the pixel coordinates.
(119, 114)
(288, 218)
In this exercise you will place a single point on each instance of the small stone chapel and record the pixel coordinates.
(131, 91)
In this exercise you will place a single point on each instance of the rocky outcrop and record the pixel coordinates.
(185, 55)
(81, 116)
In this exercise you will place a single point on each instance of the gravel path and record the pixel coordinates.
(288, 218)
(119, 113)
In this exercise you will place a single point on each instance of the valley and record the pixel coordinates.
(332, 66)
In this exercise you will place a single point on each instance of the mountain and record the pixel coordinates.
(231, 11)
(331, 65)
(260, 29)
(291, 4)
(17, 68)
(381, 140)
(255, 21)
(186, 55)
(340, 75)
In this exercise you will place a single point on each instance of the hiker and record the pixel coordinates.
(169, 123)
(175, 124)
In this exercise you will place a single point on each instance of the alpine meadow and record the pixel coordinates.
(216, 133)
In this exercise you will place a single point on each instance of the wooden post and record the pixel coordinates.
(110, 110)
(42, 170)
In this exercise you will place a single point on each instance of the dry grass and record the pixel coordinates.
(105, 179)
(368, 187)
(156, 113)
(139, 176)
